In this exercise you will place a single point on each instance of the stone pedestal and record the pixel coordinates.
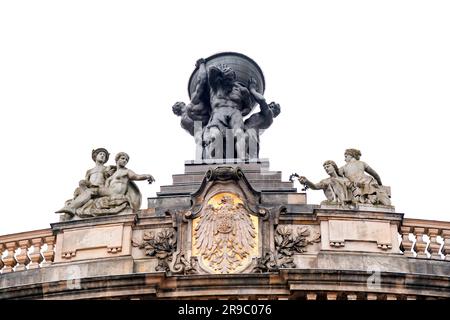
(93, 238)
(356, 230)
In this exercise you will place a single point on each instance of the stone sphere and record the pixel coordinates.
(243, 66)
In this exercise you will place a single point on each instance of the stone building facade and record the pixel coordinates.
(231, 230)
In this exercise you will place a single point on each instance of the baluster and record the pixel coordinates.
(49, 254)
(372, 296)
(446, 249)
(434, 246)
(311, 296)
(351, 296)
(420, 244)
(10, 261)
(406, 243)
(332, 295)
(22, 258)
(36, 256)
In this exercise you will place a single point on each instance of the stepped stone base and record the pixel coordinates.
(269, 183)
(257, 172)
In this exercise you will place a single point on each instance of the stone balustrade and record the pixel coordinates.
(359, 270)
(26, 250)
(343, 295)
(415, 245)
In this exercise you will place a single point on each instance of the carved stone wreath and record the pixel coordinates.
(162, 246)
(266, 263)
(289, 241)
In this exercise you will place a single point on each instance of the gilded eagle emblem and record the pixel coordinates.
(225, 235)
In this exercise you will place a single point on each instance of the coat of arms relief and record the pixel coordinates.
(225, 235)
(227, 229)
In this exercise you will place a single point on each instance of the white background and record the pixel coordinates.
(76, 75)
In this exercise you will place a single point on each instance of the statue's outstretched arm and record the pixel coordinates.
(134, 176)
(313, 186)
(373, 173)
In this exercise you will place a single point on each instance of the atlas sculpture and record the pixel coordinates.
(224, 90)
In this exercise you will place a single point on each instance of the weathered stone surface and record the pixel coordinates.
(250, 174)
(68, 273)
(288, 283)
(261, 185)
(92, 239)
(283, 198)
(365, 232)
(169, 202)
(359, 207)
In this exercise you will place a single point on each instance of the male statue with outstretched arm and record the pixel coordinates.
(117, 184)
